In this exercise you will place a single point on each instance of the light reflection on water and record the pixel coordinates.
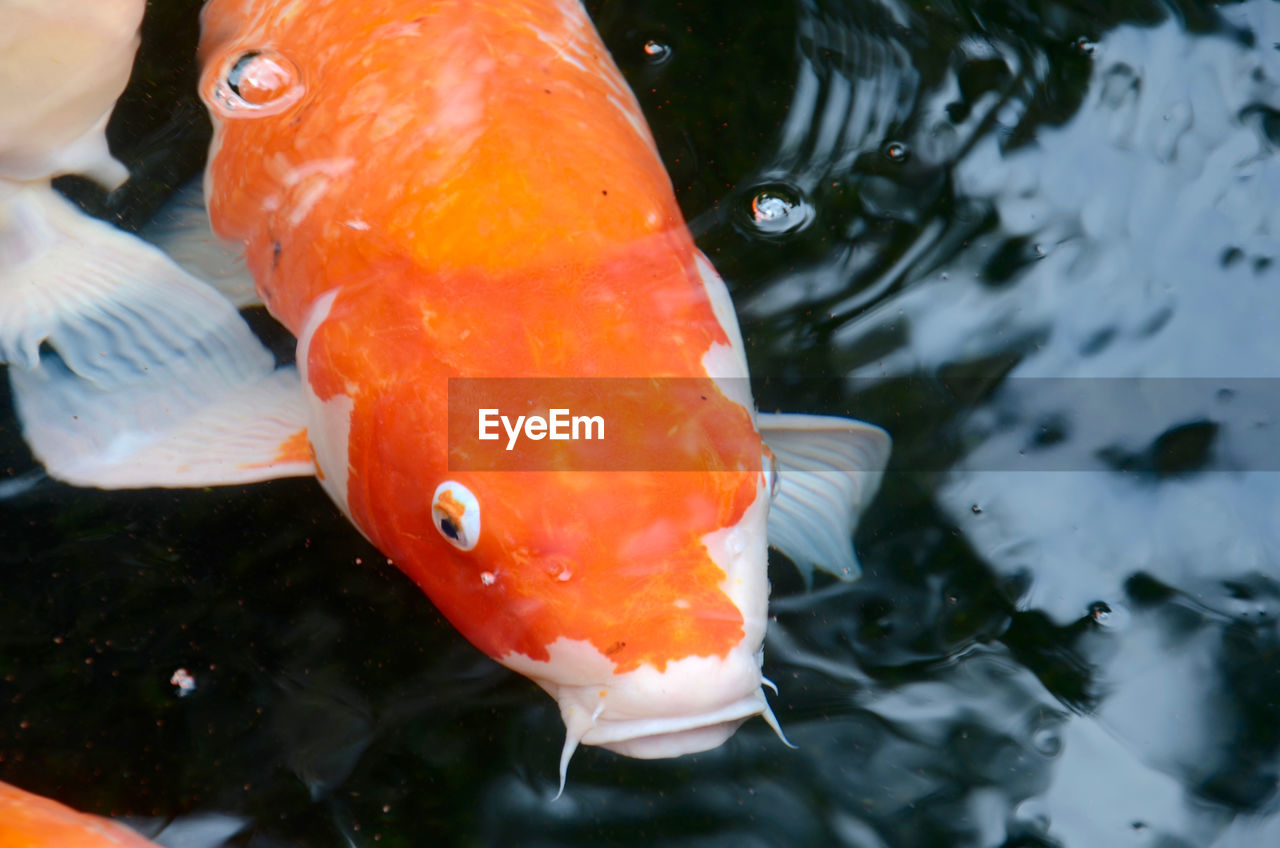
(1032, 658)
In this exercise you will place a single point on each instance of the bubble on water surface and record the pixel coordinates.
(778, 209)
(183, 682)
(656, 51)
(1108, 616)
(896, 151)
(1084, 45)
(1047, 741)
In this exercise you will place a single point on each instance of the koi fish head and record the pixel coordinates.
(637, 603)
(636, 596)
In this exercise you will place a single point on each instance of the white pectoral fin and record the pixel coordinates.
(162, 432)
(829, 469)
(127, 371)
(181, 229)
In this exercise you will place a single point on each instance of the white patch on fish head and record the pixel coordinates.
(328, 421)
(695, 703)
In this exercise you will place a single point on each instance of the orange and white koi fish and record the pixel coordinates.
(33, 821)
(462, 189)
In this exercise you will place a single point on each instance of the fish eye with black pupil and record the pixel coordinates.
(257, 83)
(455, 511)
(236, 74)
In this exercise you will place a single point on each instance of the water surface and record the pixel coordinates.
(1035, 241)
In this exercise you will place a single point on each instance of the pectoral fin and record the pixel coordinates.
(181, 229)
(126, 370)
(829, 469)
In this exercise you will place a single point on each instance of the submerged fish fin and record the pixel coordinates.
(828, 469)
(197, 830)
(127, 371)
(181, 229)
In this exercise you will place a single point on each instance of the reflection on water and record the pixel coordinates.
(959, 196)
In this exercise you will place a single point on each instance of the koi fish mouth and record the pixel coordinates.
(695, 704)
(673, 736)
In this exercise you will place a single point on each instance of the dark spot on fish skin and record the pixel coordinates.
(614, 648)
(275, 255)
(605, 192)
(547, 90)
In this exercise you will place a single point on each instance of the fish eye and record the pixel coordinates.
(257, 82)
(769, 465)
(456, 514)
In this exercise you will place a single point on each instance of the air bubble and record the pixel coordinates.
(1108, 616)
(1048, 741)
(183, 682)
(896, 151)
(656, 52)
(778, 209)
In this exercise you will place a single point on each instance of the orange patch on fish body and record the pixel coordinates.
(32, 821)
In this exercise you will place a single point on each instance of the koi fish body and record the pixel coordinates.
(428, 191)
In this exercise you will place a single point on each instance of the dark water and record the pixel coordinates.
(1036, 241)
